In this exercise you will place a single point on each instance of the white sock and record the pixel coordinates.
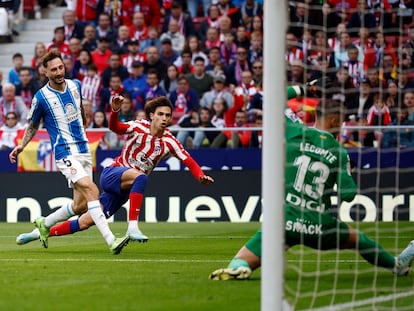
(132, 225)
(100, 221)
(62, 213)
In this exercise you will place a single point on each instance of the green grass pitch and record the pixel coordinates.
(169, 273)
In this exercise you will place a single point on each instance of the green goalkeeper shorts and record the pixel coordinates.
(310, 228)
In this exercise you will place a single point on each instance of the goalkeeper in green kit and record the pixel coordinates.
(315, 162)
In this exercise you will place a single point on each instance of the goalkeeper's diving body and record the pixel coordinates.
(315, 161)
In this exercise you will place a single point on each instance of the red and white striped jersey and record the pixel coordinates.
(144, 151)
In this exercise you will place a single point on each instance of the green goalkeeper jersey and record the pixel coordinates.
(315, 162)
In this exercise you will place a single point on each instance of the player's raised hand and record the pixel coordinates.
(116, 103)
(13, 154)
(206, 180)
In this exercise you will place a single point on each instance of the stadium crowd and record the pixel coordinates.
(207, 58)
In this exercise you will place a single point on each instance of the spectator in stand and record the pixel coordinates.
(305, 43)
(199, 80)
(340, 53)
(234, 139)
(183, 98)
(193, 5)
(363, 41)
(75, 47)
(173, 33)
(184, 20)
(320, 49)
(194, 45)
(409, 104)
(89, 41)
(127, 112)
(92, 86)
(256, 47)
(73, 28)
(28, 86)
(296, 73)
(228, 50)
(378, 114)
(154, 62)
(104, 28)
(389, 69)
(69, 63)
(242, 39)
(255, 106)
(392, 99)
(39, 52)
(196, 139)
(248, 10)
(359, 105)
(87, 113)
(226, 8)
(218, 109)
(40, 75)
(169, 83)
(81, 64)
(372, 75)
(113, 8)
(151, 91)
(255, 25)
(243, 94)
(133, 55)
(86, 12)
(298, 17)
(257, 71)
(18, 62)
(400, 138)
(404, 82)
(9, 102)
(9, 131)
(59, 41)
(110, 140)
(101, 56)
(136, 83)
(152, 40)
(256, 137)
(210, 21)
(235, 69)
(408, 45)
(212, 39)
(115, 68)
(167, 54)
(149, 8)
(120, 45)
(225, 27)
(355, 67)
(184, 63)
(115, 89)
(335, 40)
(139, 29)
(213, 60)
(342, 86)
(218, 91)
(293, 52)
(361, 17)
(374, 55)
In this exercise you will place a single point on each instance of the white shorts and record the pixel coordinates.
(75, 167)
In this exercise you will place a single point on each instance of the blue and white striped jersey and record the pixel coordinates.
(62, 118)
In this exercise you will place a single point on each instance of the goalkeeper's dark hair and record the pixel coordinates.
(329, 106)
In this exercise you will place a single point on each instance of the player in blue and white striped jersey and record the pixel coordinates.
(59, 106)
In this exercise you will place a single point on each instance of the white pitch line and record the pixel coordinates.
(110, 260)
(364, 302)
(160, 237)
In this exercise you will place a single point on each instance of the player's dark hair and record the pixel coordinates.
(51, 56)
(329, 107)
(153, 104)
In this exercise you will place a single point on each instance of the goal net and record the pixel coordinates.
(362, 55)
